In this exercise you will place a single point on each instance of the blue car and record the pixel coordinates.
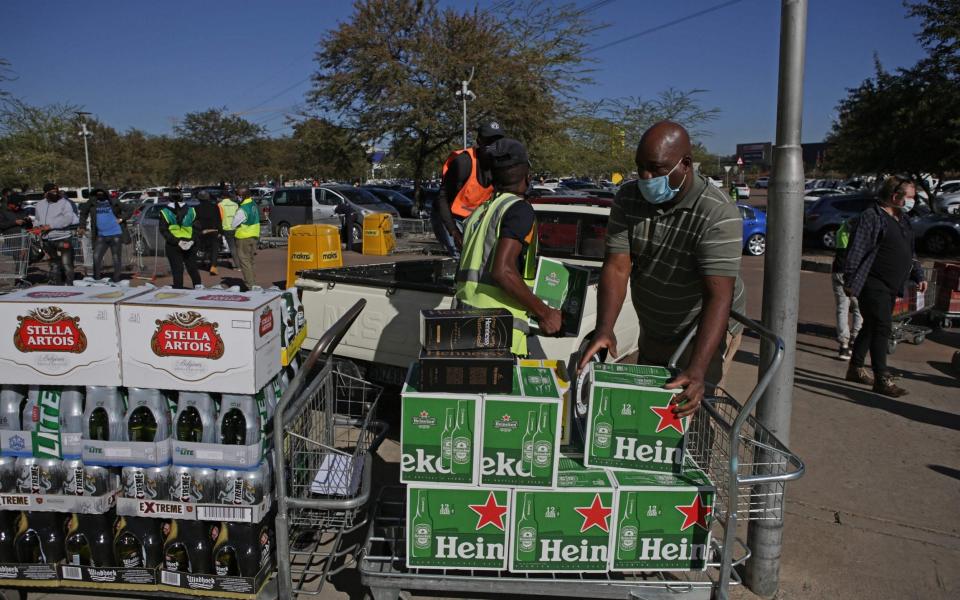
(754, 230)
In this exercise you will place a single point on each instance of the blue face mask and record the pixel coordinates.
(657, 190)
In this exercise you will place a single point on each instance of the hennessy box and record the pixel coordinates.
(466, 329)
(467, 371)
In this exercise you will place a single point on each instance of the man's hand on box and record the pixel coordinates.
(601, 340)
(687, 401)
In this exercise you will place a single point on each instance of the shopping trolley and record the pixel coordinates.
(325, 435)
(746, 462)
(14, 259)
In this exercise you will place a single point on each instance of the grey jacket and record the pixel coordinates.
(59, 215)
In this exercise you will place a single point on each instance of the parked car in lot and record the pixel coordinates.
(302, 205)
(948, 203)
(936, 234)
(821, 221)
(762, 183)
(743, 191)
(394, 198)
(754, 230)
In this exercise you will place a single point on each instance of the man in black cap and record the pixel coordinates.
(208, 216)
(465, 186)
(56, 218)
(106, 231)
(500, 249)
(12, 220)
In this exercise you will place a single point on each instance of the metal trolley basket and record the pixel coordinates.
(325, 434)
(14, 258)
(746, 462)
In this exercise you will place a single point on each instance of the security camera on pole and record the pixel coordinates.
(464, 93)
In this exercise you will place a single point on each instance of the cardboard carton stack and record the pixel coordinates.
(466, 350)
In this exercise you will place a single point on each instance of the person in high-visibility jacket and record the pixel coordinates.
(499, 250)
(177, 228)
(246, 225)
(464, 186)
(228, 208)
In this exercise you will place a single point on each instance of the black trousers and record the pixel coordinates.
(210, 246)
(179, 259)
(61, 259)
(876, 306)
(100, 248)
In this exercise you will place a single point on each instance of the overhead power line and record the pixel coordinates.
(677, 21)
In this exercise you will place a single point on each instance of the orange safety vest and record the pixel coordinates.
(472, 194)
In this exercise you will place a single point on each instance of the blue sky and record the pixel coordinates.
(145, 63)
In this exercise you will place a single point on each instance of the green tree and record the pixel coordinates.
(214, 145)
(327, 151)
(908, 120)
(391, 71)
(33, 140)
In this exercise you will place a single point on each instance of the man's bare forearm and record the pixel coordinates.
(612, 290)
(718, 296)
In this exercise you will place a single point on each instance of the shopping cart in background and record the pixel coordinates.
(745, 461)
(325, 435)
(14, 259)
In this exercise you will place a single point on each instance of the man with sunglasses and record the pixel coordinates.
(678, 240)
(880, 260)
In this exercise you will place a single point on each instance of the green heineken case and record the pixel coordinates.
(520, 433)
(439, 436)
(662, 521)
(564, 287)
(457, 528)
(631, 425)
(565, 529)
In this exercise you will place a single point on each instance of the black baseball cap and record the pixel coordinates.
(490, 130)
(49, 186)
(506, 152)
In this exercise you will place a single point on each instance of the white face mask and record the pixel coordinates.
(908, 204)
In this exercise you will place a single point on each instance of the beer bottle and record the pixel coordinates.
(71, 409)
(462, 450)
(422, 528)
(225, 555)
(241, 549)
(628, 530)
(526, 443)
(77, 547)
(187, 548)
(195, 418)
(12, 400)
(602, 426)
(103, 414)
(138, 543)
(543, 442)
(446, 439)
(148, 416)
(239, 420)
(39, 538)
(527, 529)
(8, 529)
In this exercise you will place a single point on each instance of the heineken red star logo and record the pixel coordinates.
(696, 513)
(505, 418)
(424, 413)
(490, 513)
(595, 515)
(667, 418)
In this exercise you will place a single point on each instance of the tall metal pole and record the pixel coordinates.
(86, 151)
(781, 281)
(465, 94)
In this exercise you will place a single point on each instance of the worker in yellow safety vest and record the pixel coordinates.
(499, 250)
(246, 223)
(176, 227)
(228, 208)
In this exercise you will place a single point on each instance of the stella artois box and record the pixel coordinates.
(565, 529)
(204, 340)
(61, 335)
(630, 423)
(457, 528)
(662, 521)
(439, 436)
(520, 441)
(559, 369)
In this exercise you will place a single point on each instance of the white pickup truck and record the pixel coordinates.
(384, 340)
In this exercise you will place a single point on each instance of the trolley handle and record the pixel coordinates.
(766, 375)
(323, 348)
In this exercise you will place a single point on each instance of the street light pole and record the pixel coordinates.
(86, 151)
(781, 286)
(464, 93)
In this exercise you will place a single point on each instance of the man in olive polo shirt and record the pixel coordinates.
(678, 239)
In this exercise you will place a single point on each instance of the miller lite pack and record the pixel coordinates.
(630, 422)
(202, 340)
(58, 335)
